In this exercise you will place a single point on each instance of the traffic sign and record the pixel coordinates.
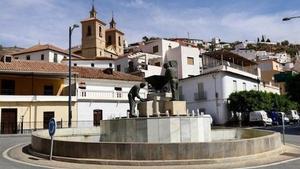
(52, 127)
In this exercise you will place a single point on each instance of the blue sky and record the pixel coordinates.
(26, 22)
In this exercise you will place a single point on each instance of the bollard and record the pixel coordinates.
(167, 113)
(187, 112)
(283, 128)
(193, 113)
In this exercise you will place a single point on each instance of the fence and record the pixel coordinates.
(28, 127)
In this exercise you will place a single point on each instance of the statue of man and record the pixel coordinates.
(133, 93)
(171, 77)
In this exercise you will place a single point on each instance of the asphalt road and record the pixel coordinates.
(292, 137)
(7, 142)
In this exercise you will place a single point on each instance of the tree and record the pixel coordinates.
(258, 40)
(145, 39)
(1, 47)
(268, 40)
(285, 43)
(247, 101)
(293, 88)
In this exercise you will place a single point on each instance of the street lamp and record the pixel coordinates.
(289, 18)
(71, 28)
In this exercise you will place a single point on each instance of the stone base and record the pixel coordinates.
(157, 130)
(175, 108)
(159, 108)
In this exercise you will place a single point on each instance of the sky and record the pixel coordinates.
(25, 23)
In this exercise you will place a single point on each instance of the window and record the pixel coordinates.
(190, 60)
(42, 57)
(28, 57)
(244, 86)
(100, 31)
(118, 88)
(89, 31)
(97, 117)
(155, 49)
(55, 58)
(255, 87)
(234, 86)
(110, 65)
(119, 40)
(181, 96)
(75, 64)
(201, 93)
(47, 116)
(92, 65)
(109, 40)
(48, 90)
(119, 68)
(7, 87)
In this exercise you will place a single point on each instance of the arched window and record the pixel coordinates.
(100, 31)
(119, 39)
(109, 40)
(89, 31)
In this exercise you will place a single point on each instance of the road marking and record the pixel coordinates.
(6, 156)
(275, 163)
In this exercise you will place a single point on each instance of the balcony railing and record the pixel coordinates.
(104, 95)
(200, 96)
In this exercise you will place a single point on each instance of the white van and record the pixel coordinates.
(259, 118)
(293, 115)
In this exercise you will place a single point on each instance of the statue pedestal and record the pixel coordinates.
(159, 108)
(175, 107)
(157, 129)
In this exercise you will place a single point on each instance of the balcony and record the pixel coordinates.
(200, 96)
(104, 95)
(34, 98)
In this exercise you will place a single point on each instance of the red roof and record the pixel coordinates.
(24, 66)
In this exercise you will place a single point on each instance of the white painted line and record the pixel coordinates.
(6, 156)
(276, 163)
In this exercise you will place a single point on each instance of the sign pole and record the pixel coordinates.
(51, 148)
(283, 128)
(51, 129)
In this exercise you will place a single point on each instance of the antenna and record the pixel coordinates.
(188, 33)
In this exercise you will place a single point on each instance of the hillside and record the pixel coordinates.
(9, 50)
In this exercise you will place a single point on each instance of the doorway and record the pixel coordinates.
(97, 117)
(9, 121)
(47, 116)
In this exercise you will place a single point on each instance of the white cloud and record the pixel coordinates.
(25, 22)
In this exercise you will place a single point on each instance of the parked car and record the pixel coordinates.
(293, 115)
(277, 118)
(286, 119)
(259, 118)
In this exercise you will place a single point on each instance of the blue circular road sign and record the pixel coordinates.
(52, 127)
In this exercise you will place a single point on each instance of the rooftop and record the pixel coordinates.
(40, 47)
(46, 68)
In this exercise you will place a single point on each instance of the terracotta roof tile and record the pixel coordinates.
(95, 73)
(23, 66)
(32, 66)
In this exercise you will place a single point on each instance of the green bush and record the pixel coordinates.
(247, 101)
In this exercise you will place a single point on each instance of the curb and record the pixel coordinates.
(268, 154)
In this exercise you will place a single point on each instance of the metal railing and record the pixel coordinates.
(28, 127)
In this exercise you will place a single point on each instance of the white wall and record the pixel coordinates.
(102, 64)
(110, 107)
(180, 54)
(48, 56)
(220, 83)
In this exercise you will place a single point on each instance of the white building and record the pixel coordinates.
(224, 73)
(188, 60)
(47, 53)
(101, 63)
(102, 94)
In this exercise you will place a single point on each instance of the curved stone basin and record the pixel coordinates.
(84, 143)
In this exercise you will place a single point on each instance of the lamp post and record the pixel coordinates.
(289, 18)
(71, 28)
